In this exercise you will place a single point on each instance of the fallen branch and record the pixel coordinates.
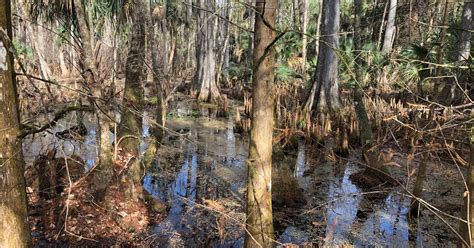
(26, 130)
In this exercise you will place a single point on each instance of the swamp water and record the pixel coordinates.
(201, 176)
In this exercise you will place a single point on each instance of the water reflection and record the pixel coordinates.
(208, 168)
(342, 212)
(213, 168)
(385, 222)
(34, 145)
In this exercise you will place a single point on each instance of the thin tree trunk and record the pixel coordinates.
(172, 50)
(199, 49)
(389, 36)
(251, 35)
(259, 195)
(158, 78)
(304, 24)
(39, 44)
(14, 229)
(468, 210)
(318, 26)
(439, 56)
(223, 41)
(365, 129)
(379, 41)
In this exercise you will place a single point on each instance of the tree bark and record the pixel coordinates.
(104, 172)
(467, 25)
(365, 129)
(39, 45)
(439, 57)
(389, 36)
(324, 94)
(158, 77)
(207, 67)
(223, 53)
(14, 229)
(88, 54)
(131, 120)
(250, 34)
(259, 195)
(304, 38)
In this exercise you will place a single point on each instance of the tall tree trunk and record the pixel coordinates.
(199, 49)
(259, 195)
(131, 120)
(451, 91)
(206, 63)
(324, 94)
(103, 173)
(223, 40)
(172, 50)
(467, 26)
(88, 54)
(439, 57)
(158, 77)
(389, 36)
(365, 129)
(250, 34)
(39, 45)
(318, 26)
(304, 25)
(14, 229)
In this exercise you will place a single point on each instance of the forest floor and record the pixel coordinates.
(197, 184)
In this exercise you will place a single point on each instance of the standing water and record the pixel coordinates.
(201, 176)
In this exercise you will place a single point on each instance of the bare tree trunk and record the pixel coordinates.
(389, 36)
(39, 44)
(379, 40)
(158, 77)
(199, 49)
(131, 120)
(223, 40)
(365, 129)
(88, 54)
(324, 94)
(318, 26)
(173, 39)
(467, 25)
(259, 195)
(251, 35)
(206, 67)
(304, 25)
(14, 229)
(103, 173)
(451, 93)
(439, 56)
